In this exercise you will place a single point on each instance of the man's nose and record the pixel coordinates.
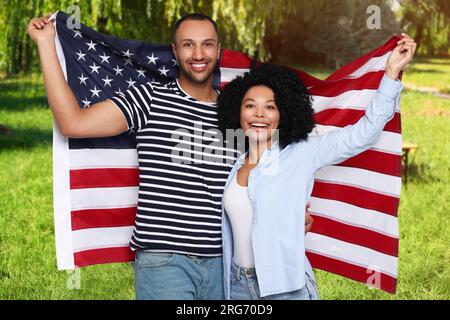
(197, 54)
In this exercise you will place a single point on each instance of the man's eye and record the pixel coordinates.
(208, 44)
(187, 44)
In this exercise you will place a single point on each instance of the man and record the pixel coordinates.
(177, 233)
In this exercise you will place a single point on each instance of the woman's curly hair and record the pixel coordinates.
(291, 97)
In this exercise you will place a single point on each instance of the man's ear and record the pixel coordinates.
(174, 50)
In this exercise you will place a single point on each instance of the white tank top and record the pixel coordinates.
(239, 210)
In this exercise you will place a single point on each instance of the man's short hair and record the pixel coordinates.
(195, 16)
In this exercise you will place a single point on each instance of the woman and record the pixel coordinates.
(263, 243)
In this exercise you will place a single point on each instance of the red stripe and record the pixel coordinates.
(104, 178)
(103, 218)
(356, 196)
(234, 59)
(376, 161)
(104, 255)
(355, 65)
(356, 235)
(344, 117)
(348, 270)
(368, 81)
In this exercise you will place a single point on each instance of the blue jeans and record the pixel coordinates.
(171, 276)
(244, 286)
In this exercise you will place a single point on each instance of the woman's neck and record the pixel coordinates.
(256, 150)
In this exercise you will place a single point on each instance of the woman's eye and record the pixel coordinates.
(271, 107)
(249, 106)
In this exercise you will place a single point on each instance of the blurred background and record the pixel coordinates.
(315, 36)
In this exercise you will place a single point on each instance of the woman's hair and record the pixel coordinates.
(291, 97)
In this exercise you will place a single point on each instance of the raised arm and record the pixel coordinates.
(102, 119)
(339, 145)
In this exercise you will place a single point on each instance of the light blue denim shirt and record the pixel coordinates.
(282, 182)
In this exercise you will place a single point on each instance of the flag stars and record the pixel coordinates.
(128, 61)
(127, 54)
(152, 59)
(131, 83)
(164, 71)
(95, 92)
(104, 58)
(77, 34)
(94, 68)
(80, 55)
(86, 103)
(91, 45)
(107, 81)
(175, 62)
(141, 72)
(83, 79)
(118, 71)
(119, 92)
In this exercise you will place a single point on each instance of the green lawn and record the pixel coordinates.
(27, 247)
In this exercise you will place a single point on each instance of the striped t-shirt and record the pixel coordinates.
(182, 170)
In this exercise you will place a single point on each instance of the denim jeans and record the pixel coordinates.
(171, 276)
(244, 286)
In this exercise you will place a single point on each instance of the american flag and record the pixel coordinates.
(354, 203)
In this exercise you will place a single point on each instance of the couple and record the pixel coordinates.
(213, 230)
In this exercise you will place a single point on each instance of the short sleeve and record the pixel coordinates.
(135, 105)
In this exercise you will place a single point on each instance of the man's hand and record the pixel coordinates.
(41, 29)
(401, 56)
(308, 219)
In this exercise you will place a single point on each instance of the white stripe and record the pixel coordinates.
(182, 106)
(374, 64)
(181, 237)
(149, 170)
(186, 150)
(178, 213)
(172, 204)
(96, 238)
(355, 216)
(181, 182)
(360, 178)
(188, 142)
(352, 99)
(179, 244)
(189, 191)
(103, 158)
(93, 198)
(197, 126)
(170, 196)
(389, 142)
(185, 166)
(179, 132)
(61, 184)
(228, 74)
(187, 160)
(351, 253)
(160, 226)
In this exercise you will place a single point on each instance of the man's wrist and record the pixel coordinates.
(42, 43)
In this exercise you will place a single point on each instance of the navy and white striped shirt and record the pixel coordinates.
(182, 173)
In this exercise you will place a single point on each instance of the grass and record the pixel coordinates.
(27, 247)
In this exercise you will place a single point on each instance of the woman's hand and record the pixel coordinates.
(401, 56)
(41, 29)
